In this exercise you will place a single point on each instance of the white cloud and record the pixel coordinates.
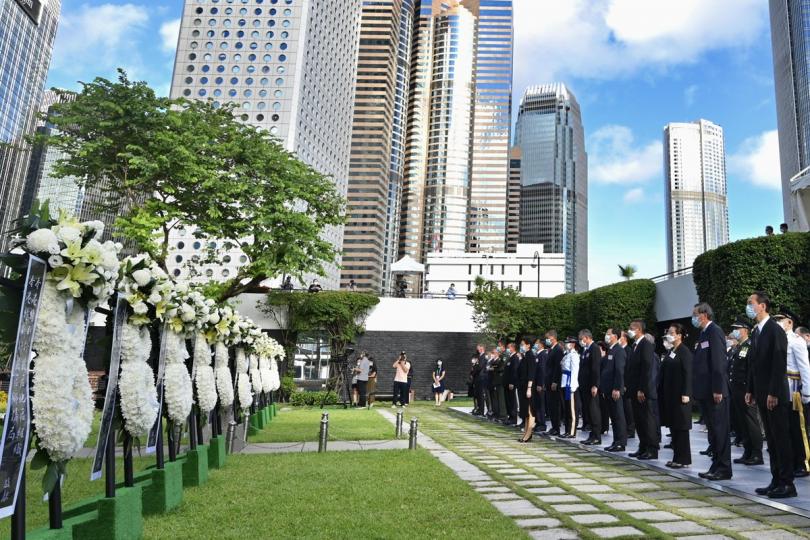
(608, 38)
(757, 160)
(689, 94)
(98, 38)
(634, 195)
(169, 32)
(615, 158)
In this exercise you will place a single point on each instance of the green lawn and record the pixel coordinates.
(379, 494)
(302, 424)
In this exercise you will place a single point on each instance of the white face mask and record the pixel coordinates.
(631, 334)
(669, 338)
(582, 343)
(439, 363)
(668, 346)
(607, 338)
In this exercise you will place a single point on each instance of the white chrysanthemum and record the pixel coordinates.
(62, 401)
(267, 374)
(136, 384)
(55, 261)
(204, 376)
(276, 381)
(223, 375)
(67, 233)
(255, 374)
(177, 389)
(142, 277)
(42, 240)
(243, 387)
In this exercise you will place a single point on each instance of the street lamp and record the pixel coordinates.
(536, 258)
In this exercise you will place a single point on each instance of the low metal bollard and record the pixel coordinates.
(414, 430)
(324, 434)
(230, 436)
(398, 428)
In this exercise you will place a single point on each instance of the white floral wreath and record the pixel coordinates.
(204, 375)
(223, 375)
(243, 380)
(136, 384)
(178, 392)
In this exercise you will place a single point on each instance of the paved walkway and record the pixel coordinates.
(555, 490)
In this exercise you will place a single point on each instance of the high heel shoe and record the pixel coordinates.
(522, 440)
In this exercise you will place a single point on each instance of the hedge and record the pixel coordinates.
(504, 314)
(779, 265)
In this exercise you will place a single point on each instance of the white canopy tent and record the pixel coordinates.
(407, 265)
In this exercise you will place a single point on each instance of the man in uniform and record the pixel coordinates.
(798, 375)
(555, 401)
(749, 427)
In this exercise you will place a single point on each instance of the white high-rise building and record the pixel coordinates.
(290, 65)
(696, 192)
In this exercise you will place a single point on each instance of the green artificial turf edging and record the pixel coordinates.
(303, 424)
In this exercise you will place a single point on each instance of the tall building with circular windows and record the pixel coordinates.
(290, 66)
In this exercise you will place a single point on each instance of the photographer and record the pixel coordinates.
(402, 367)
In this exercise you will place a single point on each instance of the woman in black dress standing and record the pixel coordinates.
(675, 393)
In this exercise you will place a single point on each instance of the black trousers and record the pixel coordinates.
(362, 386)
(400, 393)
(478, 398)
(798, 441)
(585, 399)
(629, 417)
(780, 454)
(616, 413)
(487, 397)
(681, 448)
(708, 419)
(594, 408)
(750, 427)
(498, 401)
(555, 408)
(605, 413)
(510, 398)
(646, 426)
(720, 436)
(539, 409)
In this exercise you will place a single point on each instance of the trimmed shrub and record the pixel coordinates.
(308, 399)
(779, 265)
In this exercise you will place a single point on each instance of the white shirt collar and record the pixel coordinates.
(761, 323)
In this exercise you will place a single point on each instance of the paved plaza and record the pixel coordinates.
(557, 490)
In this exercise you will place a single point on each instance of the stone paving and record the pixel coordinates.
(556, 491)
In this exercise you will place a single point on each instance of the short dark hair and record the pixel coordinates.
(552, 334)
(585, 333)
(783, 227)
(763, 298)
(705, 309)
(802, 330)
(526, 340)
(679, 329)
(640, 323)
(614, 332)
(768, 229)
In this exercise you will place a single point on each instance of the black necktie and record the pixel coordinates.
(754, 336)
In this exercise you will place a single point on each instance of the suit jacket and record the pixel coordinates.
(592, 362)
(710, 363)
(525, 370)
(628, 353)
(584, 375)
(483, 374)
(768, 364)
(612, 370)
(676, 381)
(541, 369)
(510, 370)
(644, 370)
(555, 356)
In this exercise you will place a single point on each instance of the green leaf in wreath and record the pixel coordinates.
(40, 460)
(50, 478)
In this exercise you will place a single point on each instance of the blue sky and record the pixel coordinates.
(634, 66)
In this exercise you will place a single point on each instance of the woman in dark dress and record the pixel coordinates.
(438, 382)
(675, 394)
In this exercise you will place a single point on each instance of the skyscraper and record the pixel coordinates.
(513, 202)
(290, 65)
(375, 168)
(695, 175)
(554, 178)
(27, 32)
(790, 39)
(454, 191)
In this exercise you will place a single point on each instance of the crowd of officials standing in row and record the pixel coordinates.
(753, 382)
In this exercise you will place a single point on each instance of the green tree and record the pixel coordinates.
(164, 164)
(627, 272)
(499, 312)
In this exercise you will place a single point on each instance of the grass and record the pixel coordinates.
(77, 487)
(380, 494)
(303, 424)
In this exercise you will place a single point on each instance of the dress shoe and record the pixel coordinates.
(715, 476)
(592, 442)
(631, 435)
(675, 465)
(782, 492)
(708, 452)
(615, 448)
(754, 460)
(801, 473)
(742, 459)
(636, 453)
(668, 446)
(553, 432)
(765, 490)
(646, 456)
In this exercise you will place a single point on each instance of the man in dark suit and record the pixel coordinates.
(612, 385)
(555, 356)
(644, 392)
(590, 362)
(627, 399)
(482, 388)
(768, 388)
(583, 381)
(712, 389)
(540, 385)
(510, 383)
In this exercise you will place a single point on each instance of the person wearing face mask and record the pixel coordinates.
(525, 376)
(643, 375)
(603, 404)
(569, 383)
(628, 401)
(591, 364)
(749, 426)
(798, 375)
(555, 356)
(481, 387)
(438, 382)
(675, 395)
(496, 394)
(510, 383)
(540, 381)
(612, 386)
(372, 381)
(768, 389)
(711, 387)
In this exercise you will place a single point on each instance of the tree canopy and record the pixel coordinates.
(162, 164)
